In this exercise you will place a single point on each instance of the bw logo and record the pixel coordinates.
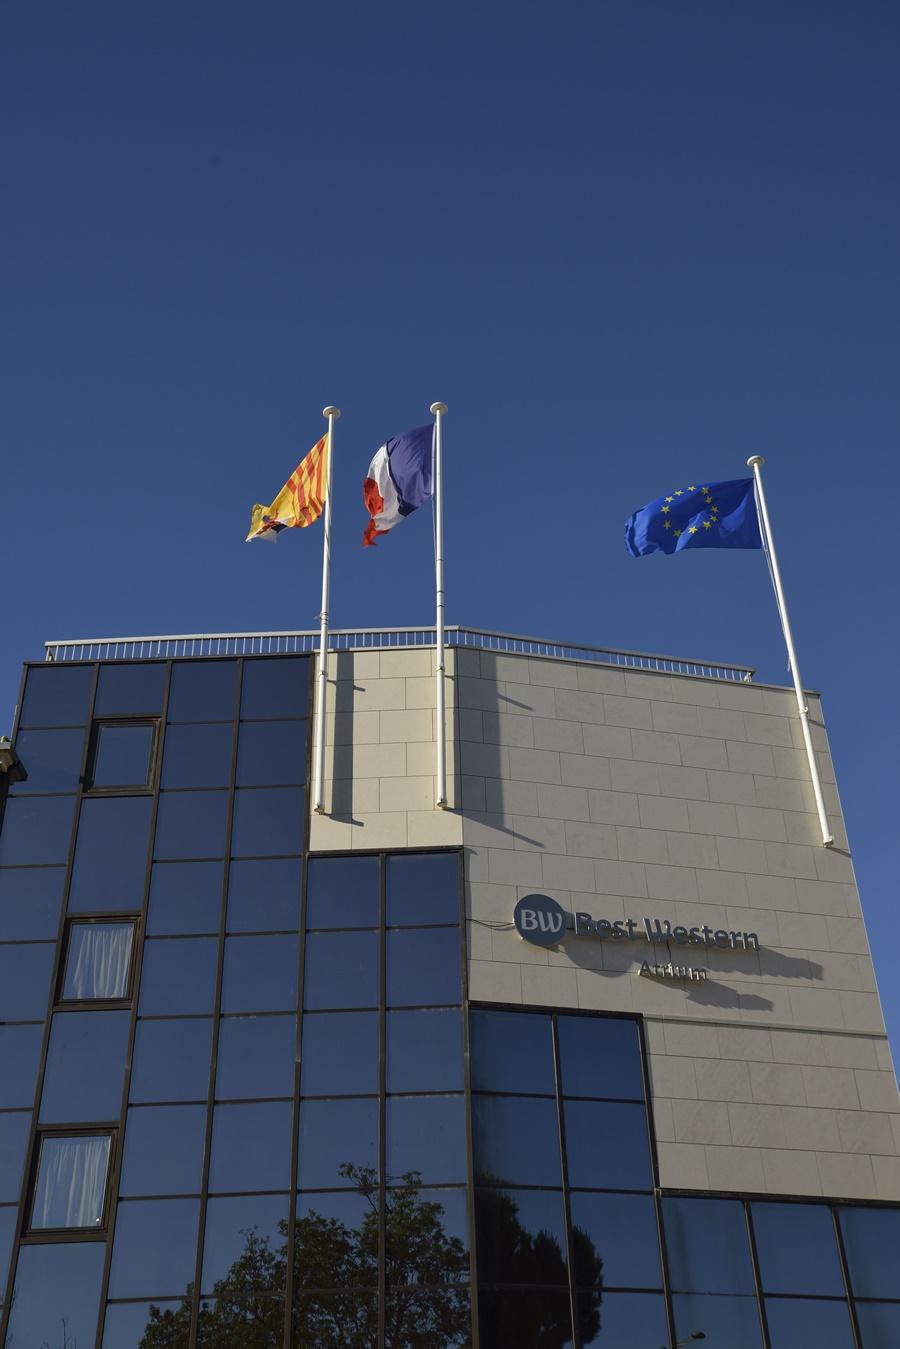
(539, 919)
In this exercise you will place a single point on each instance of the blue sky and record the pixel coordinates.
(628, 243)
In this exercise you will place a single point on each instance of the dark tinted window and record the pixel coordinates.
(268, 822)
(256, 1056)
(424, 1051)
(341, 970)
(171, 1060)
(271, 753)
(163, 1150)
(275, 687)
(426, 1134)
(600, 1056)
(796, 1249)
(178, 976)
(155, 1247)
(524, 1318)
(879, 1323)
(352, 1217)
(111, 853)
(191, 824)
(25, 970)
(246, 1228)
(731, 1321)
(336, 1134)
(251, 1147)
(185, 897)
(57, 1285)
(98, 961)
(423, 889)
(126, 1322)
(826, 1325)
(871, 1241)
(30, 901)
(607, 1145)
(515, 1140)
(342, 892)
(423, 966)
(70, 1186)
(511, 1051)
(51, 760)
(13, 1141)
(85, 1067)
(129, 690)
(57, 696)
(36, 829)
(619, 1230)
(441, 1212)
(339, 1054)
(202, 690)
(197, 756)
(260, 974)
(123, 755)
(623, 1320)
(707, 1245)
(320, 1315)
(19, 1050)
(264, 895)
(8, 1218)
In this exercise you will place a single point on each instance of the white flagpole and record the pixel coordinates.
(438, 410)
(332, 414)
(755, 462)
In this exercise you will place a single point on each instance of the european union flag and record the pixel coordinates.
(719, 515)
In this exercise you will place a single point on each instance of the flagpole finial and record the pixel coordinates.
(437, 407)
(331, 412)
(754, 460)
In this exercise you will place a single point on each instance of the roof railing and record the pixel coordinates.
(205, 644)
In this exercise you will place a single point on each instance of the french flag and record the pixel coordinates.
(400, 478)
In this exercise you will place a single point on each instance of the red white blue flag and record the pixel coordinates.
(399, 480)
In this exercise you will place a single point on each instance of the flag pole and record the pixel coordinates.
(438, 410)
(755, 462)
(332, 414)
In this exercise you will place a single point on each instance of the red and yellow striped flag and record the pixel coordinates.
(300, 501)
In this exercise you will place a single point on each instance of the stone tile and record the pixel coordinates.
(506, 867)
(486, 831)
(691, 783)
(562, 803)
(434, 829)
(697, 1041)
(692, 850)
(763, 729)
(620, 878)
(676, 718)
(581, 707)
(533, 832)
(865, 1131)
(805, 829)
(627, 711)
(641, 845)
(357, 728)
(591, 840)
(723, 1079)
(798, 1047)
(807, 1129)
(597, 679)
(349, 797)
(655, 747)
(565, 736)
(584, 770)
(844, 1176)
(715, 887)
(789, 1172)
(671, 884)
(832, 865)
(731, 788)
(493, 981)
(744, 758)
(490, 903)
(628, 776)
(511, 798)
(483, 761)
(672, 1077)
(847, 934)
(469, 724)
(772, 892)
(849, 1051)
(701, 1121)
(553, 674)
(803, 931)
(887, 1177)
(663, 1121)
(356, 665)
(497, 666)
(702, 752)
(613, 807)
(757, 822)
(816, 1007)
(790, 859)
(534, 765)
(503, 728)
(862, 1011)
(527, 700)
(663, 812)
(789, 763)
(742, 854)
(329, 833)
(472, 793)
(877, 1091)
(611, 742)
(372, 695)
(756, 1126)
(413, 724)
(407, 794)
(752, 1044)
(421, 692)
(722, 723)
(605, 992)
(732, 1168)
(550, 987)
(682, 1166)
(567, 873)
(833, 1088)
(403, 664)
(777, 1084)
(783, 794)
(711, 817)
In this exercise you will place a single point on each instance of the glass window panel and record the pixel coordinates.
(268, 821)
(600, 1056)
(155, 1247)
(57, 696)
(879, 1323)
(796, 1323)
(30, 902)
(178, 975)
(271, 753)
(184, 897)
(426, 1135)
(246, 1243)
(111, 854)
(127, 1323)
(171, 1060)
(191, 824)
(36, 829)
(13, 1141)
(429, 1316)
(237, 1319)
(8, 1218)
(71, 1182)
(731, 1321)
(615, 1240)
(424, 1051)
(129, 690)
(622, 1320)
(511, 1051)
(340, 1053)
(796, 1249)
(25, 970)
(871, 1240)
(336, 1134)
(256, 1056)
(336, 1242)
(251, 1147)
(197, 756)
(123, 755)
(85, 1067)
(607, 1145)
(51, 760)
(163, 1150)
(515, 1140)
(98, 961)
(341, 970)
(264, 895)
(326, 1319)
(423, 966)
(202, 690)
(20, 1047)
(707, 1246)
(57, 1285)
(342, 892)
(276, 687)
(422, 888)
(260, 974)
(426, 1236)
(520, 1237)
(524, 1318)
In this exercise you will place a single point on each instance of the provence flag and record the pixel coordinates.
(300, 500)
(399, 480)
(719, 515)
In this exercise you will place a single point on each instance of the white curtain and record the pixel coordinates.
(99, 957)
(71, 1182)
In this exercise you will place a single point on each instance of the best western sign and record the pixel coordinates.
(543, 921)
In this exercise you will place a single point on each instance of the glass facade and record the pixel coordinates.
(245, 1102)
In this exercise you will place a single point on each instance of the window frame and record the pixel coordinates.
(60, 1001)
(146, 788)
(100, 1232)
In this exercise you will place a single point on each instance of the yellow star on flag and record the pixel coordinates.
(666, 509)
(678, 533)
(692, 489)
(667, 524)
(707, 524)
(670, 498)
(692, 529)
